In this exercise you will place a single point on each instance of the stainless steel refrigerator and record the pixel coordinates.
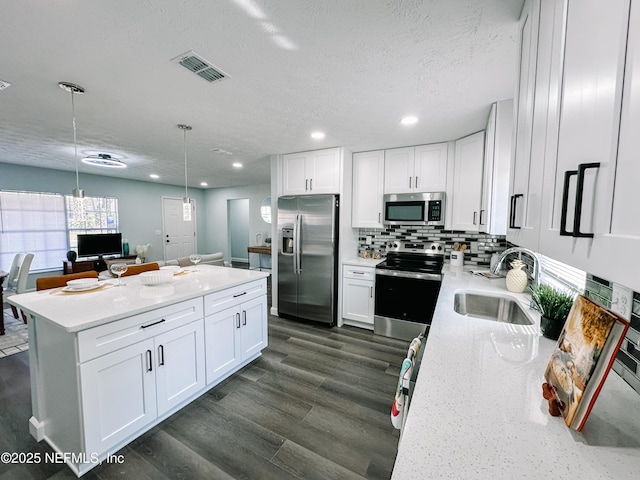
(308, 257)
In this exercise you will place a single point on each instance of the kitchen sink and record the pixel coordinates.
(498, 308)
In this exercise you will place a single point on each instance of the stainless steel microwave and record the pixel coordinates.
(414, 208)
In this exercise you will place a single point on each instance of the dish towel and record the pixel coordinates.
(398, 406)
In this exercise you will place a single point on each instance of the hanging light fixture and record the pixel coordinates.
(186, 201)
(75, 90)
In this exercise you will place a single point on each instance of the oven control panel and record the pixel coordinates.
(433, 248)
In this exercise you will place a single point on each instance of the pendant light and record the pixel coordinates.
(75, 90)
(186, 201)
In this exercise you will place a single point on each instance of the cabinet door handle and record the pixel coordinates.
(481, 212)
(565, 203)
(409, 182)
(149, 361)
(152, 324)
(370, 292)
(379, 215)
(237, 320)
(306, 184)
(161, 355)
(244, 317)
(475, 214)
(416, 183)
(310, 184)
(512, 213)
(579, 195)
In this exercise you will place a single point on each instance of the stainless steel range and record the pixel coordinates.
(407, 287)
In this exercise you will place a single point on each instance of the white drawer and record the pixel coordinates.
(215, 302)
(362, 273)
(98, 341)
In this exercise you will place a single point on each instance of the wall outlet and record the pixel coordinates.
(158, 233)
(622, 301)
(369, 240)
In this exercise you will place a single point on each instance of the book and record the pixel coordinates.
(584, 354)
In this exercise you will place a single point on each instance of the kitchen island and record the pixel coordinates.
(477, 411)
(108, 364)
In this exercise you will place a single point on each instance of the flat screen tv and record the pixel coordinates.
(98, 244)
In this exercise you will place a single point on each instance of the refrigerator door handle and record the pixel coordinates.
(297, 244)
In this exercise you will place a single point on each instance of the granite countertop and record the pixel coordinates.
(477, 411)
(80, 311)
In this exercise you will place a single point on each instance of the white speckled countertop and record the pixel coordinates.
(86, 310)
(363, 262)
(478, 412)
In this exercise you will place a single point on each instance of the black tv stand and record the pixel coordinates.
(89, 264)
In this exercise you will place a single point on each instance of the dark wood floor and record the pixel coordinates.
(314, 406)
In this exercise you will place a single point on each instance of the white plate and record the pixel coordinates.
(175, 269)
(82, 289)
(82, 283)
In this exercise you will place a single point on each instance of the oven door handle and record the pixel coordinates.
(415, 275)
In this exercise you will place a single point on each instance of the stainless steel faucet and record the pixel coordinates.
(531, 253)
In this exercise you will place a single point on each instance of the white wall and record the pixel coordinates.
(216, 221)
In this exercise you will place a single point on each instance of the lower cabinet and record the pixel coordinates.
(125, 390)
(234, 335)
(358, 295)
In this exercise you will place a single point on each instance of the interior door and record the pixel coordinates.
(179, 235)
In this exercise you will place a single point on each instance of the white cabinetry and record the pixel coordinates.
(235, 327)
(368, 185)
(497, 159)
(466, 195)
(358, 295)
(416, 169)
(160, 365)
(526, 170)
(311, 172)
(584, 224)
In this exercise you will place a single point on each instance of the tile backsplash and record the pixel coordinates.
(480, 246)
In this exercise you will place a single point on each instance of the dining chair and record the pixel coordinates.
(17, 279)
(45, 283)
(136, 269)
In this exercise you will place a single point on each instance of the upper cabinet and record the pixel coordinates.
(466, 196)
(416, 169)
(525, 184)
(316, 172)
(497, 160)
(589, 218)
(368, 183)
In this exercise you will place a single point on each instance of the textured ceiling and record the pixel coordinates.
(351, 68)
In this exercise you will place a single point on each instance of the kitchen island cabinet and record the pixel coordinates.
(477, 409)
(107, 365)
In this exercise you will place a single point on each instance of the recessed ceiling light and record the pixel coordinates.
(237, 165)
(155, 176)
(317, 135)
(103, 160)
(204, 184)
(408, 120)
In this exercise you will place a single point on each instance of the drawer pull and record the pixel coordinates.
(149, 361)
(152, 324)
(239, 294)
(358, 273)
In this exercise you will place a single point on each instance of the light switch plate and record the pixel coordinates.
(622, 301)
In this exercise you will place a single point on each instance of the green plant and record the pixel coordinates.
(551, 302)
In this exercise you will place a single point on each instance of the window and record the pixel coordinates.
(561, 275)
(33, 222)
(47, 225)
(90, 215)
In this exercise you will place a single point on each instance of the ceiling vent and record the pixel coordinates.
(198, 65)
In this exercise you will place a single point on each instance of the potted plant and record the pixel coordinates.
(554, 305)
